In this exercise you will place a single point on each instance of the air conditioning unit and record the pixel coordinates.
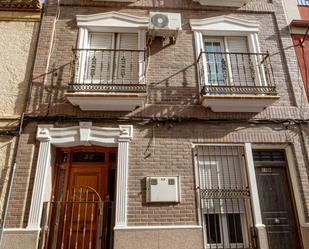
(164, 24)
(163, 189)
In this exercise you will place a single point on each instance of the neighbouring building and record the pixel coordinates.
(19, 25)
(162, 124)
(297, 13)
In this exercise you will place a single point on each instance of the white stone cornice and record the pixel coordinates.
(226, 24)
(112, 19)
(84, 134)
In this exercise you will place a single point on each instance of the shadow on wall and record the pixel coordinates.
(6, 150)
(23, 86)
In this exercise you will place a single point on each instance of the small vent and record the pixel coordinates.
(268, 156)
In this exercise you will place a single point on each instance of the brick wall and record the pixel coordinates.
(164, 149)
(176, 84)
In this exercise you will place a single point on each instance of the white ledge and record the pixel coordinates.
(237, 103)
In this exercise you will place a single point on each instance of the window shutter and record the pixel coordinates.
(237, 44)
(101, 40)
(127, 61)
(240, 64)
(100, 61)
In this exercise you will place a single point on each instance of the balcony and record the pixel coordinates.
(236, 82)
(107, 79)
(223, 3)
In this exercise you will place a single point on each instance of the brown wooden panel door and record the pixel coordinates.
(87, 188)
(81, 210)
(277, 208)
(86, 185)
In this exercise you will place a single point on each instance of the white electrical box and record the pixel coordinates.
(164, 24)
(163, 189)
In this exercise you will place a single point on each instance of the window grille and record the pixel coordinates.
(224, 194)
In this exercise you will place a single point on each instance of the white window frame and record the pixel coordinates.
(112, 22)
(225, 26)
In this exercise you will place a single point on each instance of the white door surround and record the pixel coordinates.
(84, 134)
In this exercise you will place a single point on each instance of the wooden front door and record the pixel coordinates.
(82, 210)
(276, 201)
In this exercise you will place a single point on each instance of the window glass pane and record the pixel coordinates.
(214, 62)
(273, 156)
(213, 228)
(88, 157)
(234, 228)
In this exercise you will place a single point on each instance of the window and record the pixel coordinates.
(111, 57)
(229, 55)
(229, 61)
(110, 49)
(224, 196)
(233, 74)
(230, 225)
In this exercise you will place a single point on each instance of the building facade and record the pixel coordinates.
(19, 24)
(156, 124)
(297, 13)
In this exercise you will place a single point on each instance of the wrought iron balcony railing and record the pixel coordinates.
(108, 70)
(222, 73)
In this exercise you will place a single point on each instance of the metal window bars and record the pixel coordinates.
(235, 73)
(78, 221)
(108, 70)
(224, 196)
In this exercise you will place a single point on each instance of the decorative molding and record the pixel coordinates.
(20, 16)
(122, 182)
(84, 134)
(39, 186)
(253, 186)
(224, 25)
(111, 20)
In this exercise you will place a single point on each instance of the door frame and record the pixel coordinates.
(84, 133)
(291, 174)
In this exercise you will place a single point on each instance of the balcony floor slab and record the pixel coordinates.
(107, 101)
(237, 103)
